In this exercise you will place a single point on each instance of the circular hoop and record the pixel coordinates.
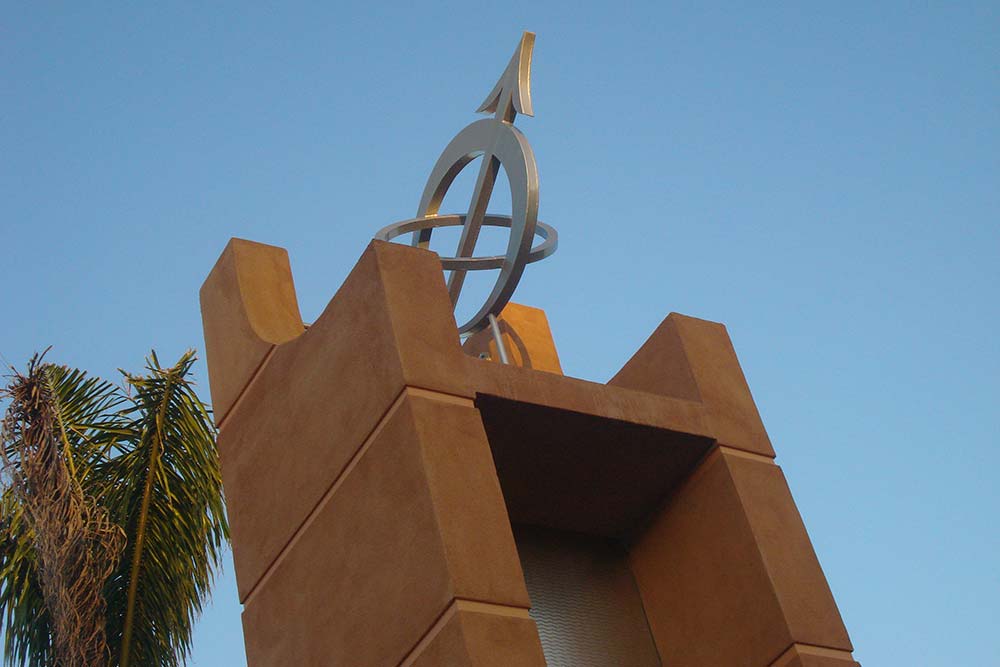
(549, 235)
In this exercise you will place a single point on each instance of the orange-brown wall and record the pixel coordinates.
(372, 474)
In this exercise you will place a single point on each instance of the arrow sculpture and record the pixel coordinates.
(500, 144)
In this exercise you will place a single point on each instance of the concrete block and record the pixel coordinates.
(727, 574)
(526, 336)
(694, 360)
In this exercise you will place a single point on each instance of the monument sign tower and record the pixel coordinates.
(408, 491)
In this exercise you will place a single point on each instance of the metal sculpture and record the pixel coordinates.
(501, 145)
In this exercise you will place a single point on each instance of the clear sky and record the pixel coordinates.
(822, 178)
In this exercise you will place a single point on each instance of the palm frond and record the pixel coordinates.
(164, 488)
(27, 626)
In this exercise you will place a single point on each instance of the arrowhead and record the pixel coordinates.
(516, 80)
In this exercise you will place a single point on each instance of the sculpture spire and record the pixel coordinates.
(513, 90)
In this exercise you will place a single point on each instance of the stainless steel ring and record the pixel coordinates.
(549, 235)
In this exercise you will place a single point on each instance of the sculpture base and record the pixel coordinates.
(374, 468)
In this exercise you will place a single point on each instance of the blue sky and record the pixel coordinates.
(822, 178)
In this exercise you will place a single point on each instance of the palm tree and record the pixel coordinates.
(59, 546)
(144, 456)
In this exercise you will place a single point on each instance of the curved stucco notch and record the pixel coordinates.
(248, 306)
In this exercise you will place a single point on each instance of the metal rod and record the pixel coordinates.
(498, 338)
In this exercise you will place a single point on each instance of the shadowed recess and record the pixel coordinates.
(571, 471)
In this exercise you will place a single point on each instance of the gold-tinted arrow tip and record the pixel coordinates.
(516, 80)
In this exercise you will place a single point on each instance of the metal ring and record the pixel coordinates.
(550, 239)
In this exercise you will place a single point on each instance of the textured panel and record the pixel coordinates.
(584, 601)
